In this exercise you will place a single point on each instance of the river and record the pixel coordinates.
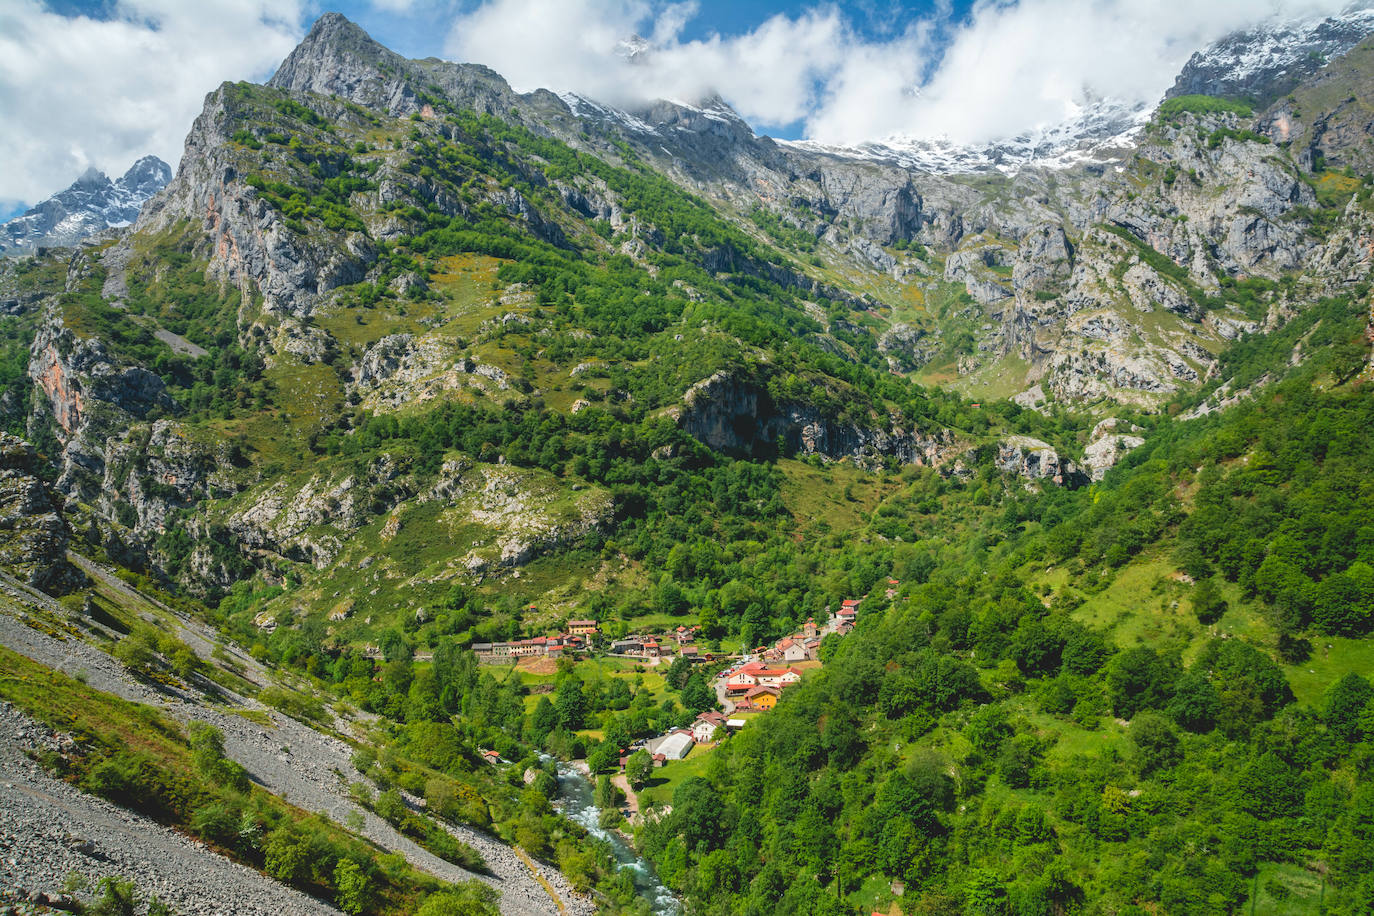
(575, 801)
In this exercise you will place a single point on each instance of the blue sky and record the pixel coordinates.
(413, 34)
(103, 82)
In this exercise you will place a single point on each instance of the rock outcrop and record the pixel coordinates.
(729, 412)
(33, 533)
(1035, 460)
(1107, 447)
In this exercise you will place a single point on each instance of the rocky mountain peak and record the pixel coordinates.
(92, 178)
(339, 58)
(92, 204)
(1261, 64)
(149, 173)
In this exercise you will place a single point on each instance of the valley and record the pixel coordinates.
(444, 499)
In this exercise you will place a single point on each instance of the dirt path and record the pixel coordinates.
(632, 799)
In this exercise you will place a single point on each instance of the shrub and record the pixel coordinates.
(207, 753)
(118, 897)
(353, 887)
(1202, 104)
(391, 807)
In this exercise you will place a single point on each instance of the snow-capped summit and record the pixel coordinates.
(1259, 65)
(1097, 131)
(1256, 65)
(91, 205)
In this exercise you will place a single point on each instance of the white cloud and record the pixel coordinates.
(77, 92)
(1012, 65)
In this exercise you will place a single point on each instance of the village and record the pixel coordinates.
(750, 683)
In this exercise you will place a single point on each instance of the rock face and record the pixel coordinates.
(33, 534)
(1326, 120)
(1036, 461)
(1107, 447)
(88, 396)
(1084, 284)
(91, 205)
(734, 414)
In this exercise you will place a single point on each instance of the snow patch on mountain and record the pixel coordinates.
(1256, 64)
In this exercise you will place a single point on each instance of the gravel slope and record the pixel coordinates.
(295, 762)
(50, 830)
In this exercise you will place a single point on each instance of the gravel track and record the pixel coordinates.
(292, 760)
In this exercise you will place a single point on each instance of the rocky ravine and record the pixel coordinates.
(295, 762)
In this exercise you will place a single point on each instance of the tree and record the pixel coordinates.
(603, 756)
(138, 650)
(353, 887)
(1017, 760)
(390, 806)
(696, 696)
(570, 704)
(607, 794)
(639, 768)
(1268, 788)
(1208, 603)
(1154, 746)
(394, 646)
(543, 720)
(1196, 703)
(1251, 688)
(1346, 700)
(207, 753)
(1140, 679)
(678, 672)
(984, 894)
(987, 729)
(422, 700)
(1344, 601)
(699, 815)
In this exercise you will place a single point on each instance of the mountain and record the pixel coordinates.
(1098, 132)
(1256, 66)
(91, 205)
(1259, 65)
(405, 375)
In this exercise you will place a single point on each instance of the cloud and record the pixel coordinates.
(1010, 65)
(78, 91)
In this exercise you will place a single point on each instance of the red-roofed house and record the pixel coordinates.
(707, 724)
(762, 697)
